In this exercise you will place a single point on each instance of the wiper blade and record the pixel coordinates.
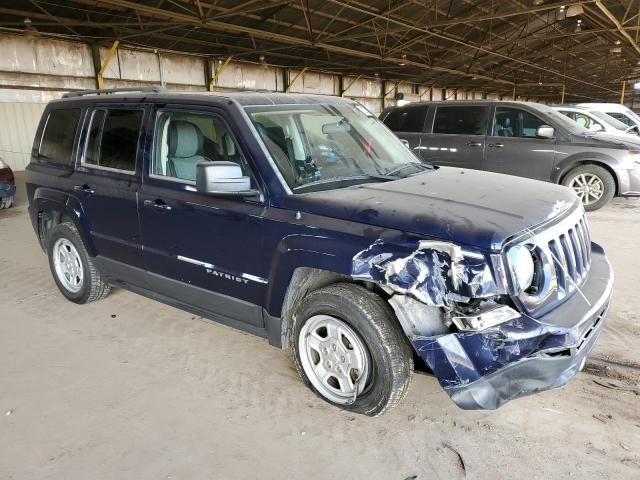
(364, 176)
(395, 171)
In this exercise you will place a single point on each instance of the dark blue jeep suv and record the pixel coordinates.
(304, 220)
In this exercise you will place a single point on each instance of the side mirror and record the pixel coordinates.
(405, 143)
(223, 178)
(545, 131)
(596, 127)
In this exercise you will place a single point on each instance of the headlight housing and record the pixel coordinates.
(523, 266)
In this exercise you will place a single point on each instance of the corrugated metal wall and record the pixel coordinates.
(18, 123)
(36, 70)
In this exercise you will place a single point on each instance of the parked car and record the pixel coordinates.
(519, 138)
(7, 185)
(617, 111)
(304, 220)
(596, 121)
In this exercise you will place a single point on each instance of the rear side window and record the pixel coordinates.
(113, 139)
(407, 119)
(461, 120)
(59, 134)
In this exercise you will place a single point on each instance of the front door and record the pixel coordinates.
(106, 184)
(457, 138)
(201, 250)
(513, 147)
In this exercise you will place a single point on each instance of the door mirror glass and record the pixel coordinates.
(223, 178)
(596, 127)
(545, 131)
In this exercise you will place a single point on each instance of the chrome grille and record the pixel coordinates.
(571, 254)
(564, 258)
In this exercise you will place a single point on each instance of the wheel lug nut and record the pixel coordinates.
(328, 364)
(325, 350)
(333, 347)
(338, 369)
(342, 359)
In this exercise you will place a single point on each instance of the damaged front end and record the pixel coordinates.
(486, 341)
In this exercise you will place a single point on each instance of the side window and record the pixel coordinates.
(113, 139)
(59, 134)
(622, 117)
(407, 119)
(513, 122)
(461, 120)
(184, 139)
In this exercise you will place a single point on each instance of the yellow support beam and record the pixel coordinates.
(624, 86)
(300, 73)
(103, 67)
(214, 79)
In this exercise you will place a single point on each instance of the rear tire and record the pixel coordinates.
(366, 365)
(593, 184)
(71, 266)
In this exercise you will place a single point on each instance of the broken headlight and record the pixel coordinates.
(523, 266)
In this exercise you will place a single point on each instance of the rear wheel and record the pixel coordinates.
(349, 349)
(593, 184)
(73, 270)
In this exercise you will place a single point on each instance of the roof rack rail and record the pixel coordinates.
(106, 91)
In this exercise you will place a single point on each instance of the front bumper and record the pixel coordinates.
(7, 190)
(629, 182)
(483, 370)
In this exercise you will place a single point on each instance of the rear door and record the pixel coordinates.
(513, 147)
(457, 136)
(106, 183)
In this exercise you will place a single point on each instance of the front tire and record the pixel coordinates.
(349, 349)
(73, 270)
(593, 184)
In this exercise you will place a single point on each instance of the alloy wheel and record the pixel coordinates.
(588, 187)
(334, 358)
(68, 265)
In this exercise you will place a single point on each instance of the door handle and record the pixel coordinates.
(84, 189)
(157, 204)
(496, 145)
(474, 144)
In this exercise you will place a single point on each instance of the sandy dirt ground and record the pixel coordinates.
(128, 388)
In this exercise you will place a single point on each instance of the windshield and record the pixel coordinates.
(566, 122)
(323, 147)
(617, 124)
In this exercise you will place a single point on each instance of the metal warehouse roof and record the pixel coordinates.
(538, 45)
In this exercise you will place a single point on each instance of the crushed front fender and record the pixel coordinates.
(483, 370)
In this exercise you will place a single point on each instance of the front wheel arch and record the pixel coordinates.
(607, 167)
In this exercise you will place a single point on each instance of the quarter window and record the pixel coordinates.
(514, 122)
(184, 139)
(113, 139)
(407, 119)
(59, 135)
(461, 120)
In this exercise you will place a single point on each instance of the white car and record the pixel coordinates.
(597, 121)
(617, 111)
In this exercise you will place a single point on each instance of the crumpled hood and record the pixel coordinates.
(469, 207)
